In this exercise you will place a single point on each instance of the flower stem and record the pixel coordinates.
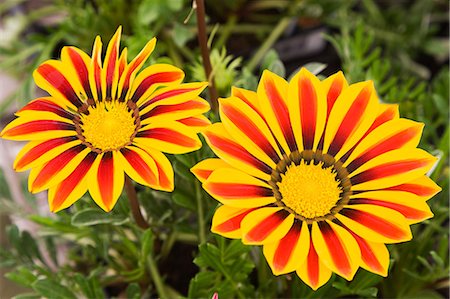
(203, 42)
(201, 216)
(134, 204)
(156, 277)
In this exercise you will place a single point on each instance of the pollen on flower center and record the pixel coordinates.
(309, 190)
(108, 125)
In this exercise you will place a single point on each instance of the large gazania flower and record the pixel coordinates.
(103, 120)
(319, 173)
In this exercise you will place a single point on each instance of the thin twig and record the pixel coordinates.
(203, 42)
(134, 204)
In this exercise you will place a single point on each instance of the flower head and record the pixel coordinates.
(319, 173)
(102, 120)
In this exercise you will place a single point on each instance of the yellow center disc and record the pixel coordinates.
(109, 125)
(309, 190)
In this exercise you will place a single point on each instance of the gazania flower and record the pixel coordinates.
(319, 173)
(103, 120)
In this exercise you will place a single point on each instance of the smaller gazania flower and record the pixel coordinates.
(319, 173)
(101, 122)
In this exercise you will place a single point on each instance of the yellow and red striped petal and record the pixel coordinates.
(164, 112)
(73, 187)
(288, 253)
(138, 165)
(129, 73)
(412, 207)
(374, 256)
(227, 221)
(337, 248)
(165, 171)
(238, 189)
(121, 68)
(171, 95)
(394, 134)
(266, 225)
(313, 271)
(203, 169)
(57, 169)
(308, 109)
(26, 128)
(272, 96)
(36, 153)
(351, 116)
(54, 77)
(248, 96)
(375, 223)
(110, 70)
(333, 87)
(424, 187)
(392, 168)
(153, 77)
(198, 122)
(168, 137)
(98, 87)
(106, 180)
(79, 63)
(43, 108)
(225, 147)
(244, 124)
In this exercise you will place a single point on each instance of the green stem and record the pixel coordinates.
(277, 31)
(201, 216)
(156, 277)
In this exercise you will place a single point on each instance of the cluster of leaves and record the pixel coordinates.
(83, 252)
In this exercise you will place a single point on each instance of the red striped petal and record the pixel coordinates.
(105, 178)
(59, 82)
(41, 149)
(308, 111)
(46, 105)
(158, 78)
(81, 69)
(407, 211)
(233, 223)
(263, 229)
(280, 110)
(388, 169)
(375, 223)
(168, 135)
(140, 166)
(232, 148)
(286, 247)
(238, 191)
(336, 249)
(163, 109)
(38, 126)
(394, 142)
(245, 124)
(66, 187)
(55, 165)
(351, 120)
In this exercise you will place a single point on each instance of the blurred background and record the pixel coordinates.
(403, 46)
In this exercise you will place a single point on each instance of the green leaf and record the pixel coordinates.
(52, 289)
(90, 217)
(21, 275)
(184, 201)
(133, 291)
(27, 296)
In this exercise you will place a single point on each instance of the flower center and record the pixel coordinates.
(107, 125)
(310, 190)
(311, 185)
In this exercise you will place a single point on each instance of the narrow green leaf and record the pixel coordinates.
(90, 217)
(52, 289)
